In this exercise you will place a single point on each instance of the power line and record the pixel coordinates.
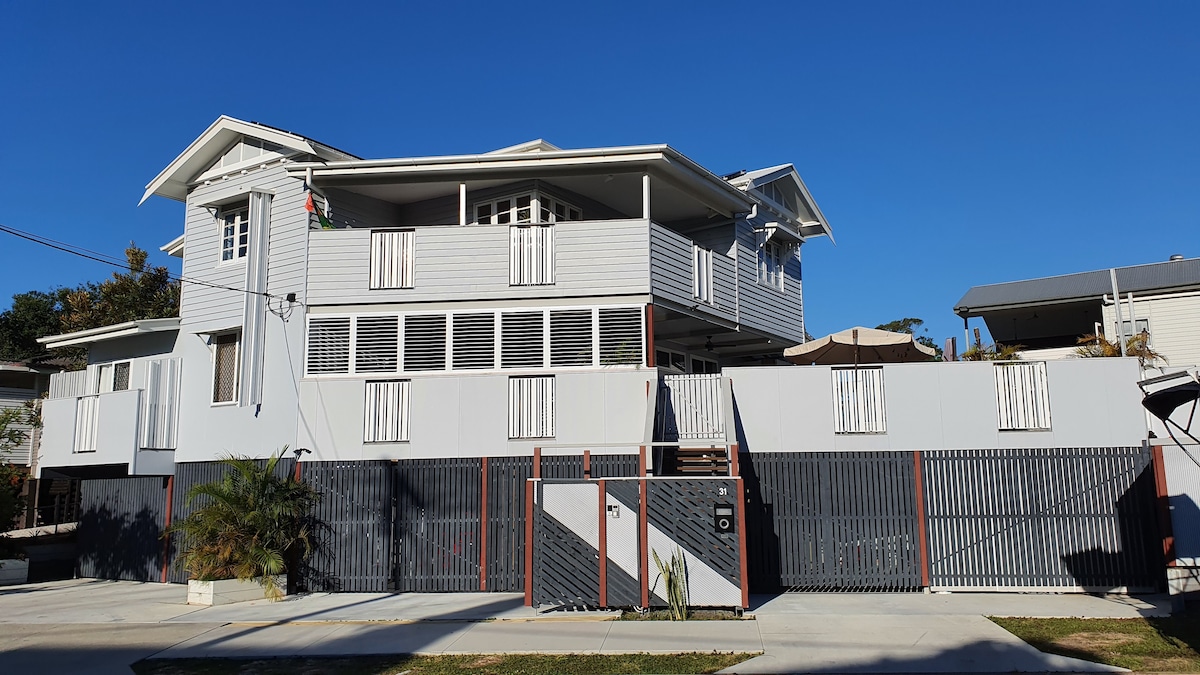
(116, 262)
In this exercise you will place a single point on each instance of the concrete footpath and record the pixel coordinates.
(89, 626)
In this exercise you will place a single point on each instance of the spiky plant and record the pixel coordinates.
(249, 525)
(996, 352)
(674, 576)
(1093, 345)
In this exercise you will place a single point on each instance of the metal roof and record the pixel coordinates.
(1160, 276)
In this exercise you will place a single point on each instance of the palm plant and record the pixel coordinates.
(251, 523)
(1095, 345)
(996, 352)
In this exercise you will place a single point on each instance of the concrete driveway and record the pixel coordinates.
(89, 626)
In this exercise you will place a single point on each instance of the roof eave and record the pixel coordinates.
(112, 332)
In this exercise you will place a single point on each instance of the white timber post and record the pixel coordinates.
(462, 204)
(646, 196)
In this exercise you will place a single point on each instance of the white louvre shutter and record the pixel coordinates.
(621, 337)
(522, 339)
(571, 338)
(702, 274)
(474, 341)
(392, 259)
(858, 401)
(385, 411)
(377, 344)
(424, 342)
(531, 407)
(531, 255)
(328, 345)
(161, 404)
(1022, 396)
(87, 417)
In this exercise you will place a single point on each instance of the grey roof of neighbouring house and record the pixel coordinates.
(1161, 276)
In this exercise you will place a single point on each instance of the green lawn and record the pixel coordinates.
(514, 664)
(1161, 645)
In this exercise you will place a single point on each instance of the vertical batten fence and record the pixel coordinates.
(691, 407)
(437, 524)
(1076, 518)
(120, 526)
(354, 536)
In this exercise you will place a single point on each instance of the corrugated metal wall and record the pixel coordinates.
(120, 527)
(1183, 496)
(1067, 518)
(831, 521)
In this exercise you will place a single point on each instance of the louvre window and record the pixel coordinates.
(858, 405)
(225, 368)
(531, 255)
(328, 345)
(392, 259)
(474, 341)
(571, 338)
(376, 344)
(1022, 396)
(385, 411)
(531, 407)
(702, 274)
(620, 335)
(425, 342)
(522, 341)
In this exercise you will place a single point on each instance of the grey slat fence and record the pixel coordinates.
(1069, 518)
(354, 546)
(506, 522)
(437, 524)
(831, 521)
(120, 527)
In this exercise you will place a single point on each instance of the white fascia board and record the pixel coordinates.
(173, 247)
(173, 181)
(536, 145)
(821, 221)
(103, 333)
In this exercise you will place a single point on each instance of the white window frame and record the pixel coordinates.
(106, 376)
(378, 425)
(670, 362)
(237, 369)
(1126, 325)
(235, 236)
(529, 418)
(1022, 396)
(859, 401)
(702, 274)
(772, 258)
(391, 259)
(543, 209)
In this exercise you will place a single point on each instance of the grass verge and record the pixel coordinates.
(1160, 645)
(693, 615)
(481, 664)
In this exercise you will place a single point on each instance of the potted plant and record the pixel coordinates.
(250, 525)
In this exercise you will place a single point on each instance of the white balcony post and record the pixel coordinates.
(462, 204)
(646, 196)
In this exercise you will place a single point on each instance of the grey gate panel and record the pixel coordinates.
(566, 554)
(623, 543)
(831, 521)
(191, 474)
(1071, 518)
(120, 528)
(353, 549)
(437, 524)
(680, 518)
(506, 522)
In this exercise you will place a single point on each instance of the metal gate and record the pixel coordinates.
(832, 521)
(594, 541)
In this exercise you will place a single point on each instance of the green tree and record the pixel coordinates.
(142, 292)
(33, 315)
(15, 426)
(251, 523)
(910, 325)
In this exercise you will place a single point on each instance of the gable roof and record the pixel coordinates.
(1160, 276)
(536, 145)
(173, 181)
(746, 180)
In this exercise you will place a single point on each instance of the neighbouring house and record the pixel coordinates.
(1049, 315)
(19, 384)
(530, 369)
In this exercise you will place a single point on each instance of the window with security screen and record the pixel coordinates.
(1022, 396)
(858, 403)
(225, 367)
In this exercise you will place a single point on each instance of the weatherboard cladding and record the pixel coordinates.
(1084, 285)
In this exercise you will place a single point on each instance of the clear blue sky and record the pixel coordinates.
(948, 143)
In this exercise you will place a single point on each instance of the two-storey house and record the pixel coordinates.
(433, 307)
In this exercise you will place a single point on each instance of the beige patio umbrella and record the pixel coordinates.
(860, 345)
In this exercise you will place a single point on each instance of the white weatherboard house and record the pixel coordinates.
(432, 307)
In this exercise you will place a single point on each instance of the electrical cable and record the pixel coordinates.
(123, 264)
